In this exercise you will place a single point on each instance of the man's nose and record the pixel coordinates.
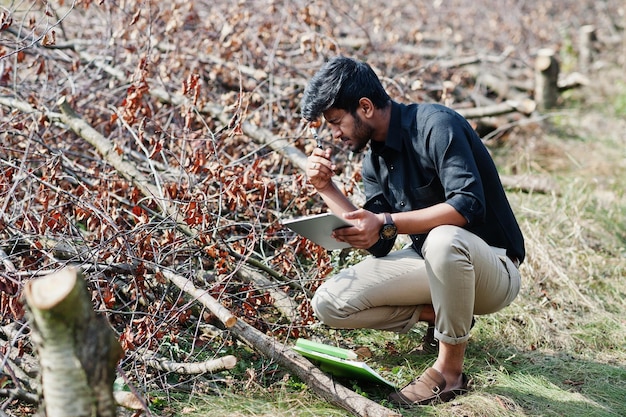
(336, 131)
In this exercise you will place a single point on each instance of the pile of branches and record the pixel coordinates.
(144, 139)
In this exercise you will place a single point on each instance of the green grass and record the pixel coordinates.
(559, 385)
(284, 403)
(619, 103)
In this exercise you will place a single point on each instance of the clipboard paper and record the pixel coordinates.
(318, 228)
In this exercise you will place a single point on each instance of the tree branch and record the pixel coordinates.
(210, 366)
(19, 394)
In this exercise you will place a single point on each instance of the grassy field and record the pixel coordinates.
(560, 349)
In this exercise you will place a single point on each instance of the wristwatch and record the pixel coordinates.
(389, 230)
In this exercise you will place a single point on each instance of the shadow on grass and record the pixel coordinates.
(518, 383)
(510, 382)
(558, 384)
(506, 383)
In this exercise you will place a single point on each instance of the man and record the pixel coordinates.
(426, 174)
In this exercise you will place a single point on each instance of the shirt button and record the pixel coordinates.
(402, 203)
(391, 167)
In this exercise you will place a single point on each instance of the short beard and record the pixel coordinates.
(362, 134)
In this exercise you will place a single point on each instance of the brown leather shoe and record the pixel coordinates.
(429, 388)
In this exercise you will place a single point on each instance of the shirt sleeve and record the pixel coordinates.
(449, 147)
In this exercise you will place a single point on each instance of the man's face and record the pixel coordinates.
(350, 128)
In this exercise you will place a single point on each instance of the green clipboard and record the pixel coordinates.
(338, 362)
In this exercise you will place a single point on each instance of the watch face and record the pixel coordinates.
(388, 231)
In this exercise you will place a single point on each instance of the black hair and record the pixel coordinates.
(341, 83)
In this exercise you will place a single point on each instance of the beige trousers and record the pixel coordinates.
(459, 275)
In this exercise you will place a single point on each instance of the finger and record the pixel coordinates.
(319, 166)
(346, 232)
(319, 152)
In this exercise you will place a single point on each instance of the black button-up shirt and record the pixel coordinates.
(432, 155)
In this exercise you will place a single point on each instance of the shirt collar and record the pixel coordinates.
(398, 129)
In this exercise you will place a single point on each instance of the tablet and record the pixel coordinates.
(318, 228)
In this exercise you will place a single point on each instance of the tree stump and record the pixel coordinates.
(546, 79)
(586, 44)
(78, 351)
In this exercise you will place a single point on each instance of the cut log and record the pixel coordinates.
(210, 366)
(573, 80)
(586, 40)
(78, 351)
(529, 184)
(546, 79)
(525, 107)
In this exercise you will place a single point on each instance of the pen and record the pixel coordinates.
(313, 129)
(316, 137)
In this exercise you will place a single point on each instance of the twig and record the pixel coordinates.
(107, 150)
(203, 297)
(282, 301)
(19, 394)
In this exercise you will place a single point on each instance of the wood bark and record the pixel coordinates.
(107, 149)
(285, 304)
(78, 351)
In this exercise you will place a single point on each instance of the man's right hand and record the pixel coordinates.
(320, 169)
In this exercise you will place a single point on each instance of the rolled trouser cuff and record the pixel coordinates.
(451, 340)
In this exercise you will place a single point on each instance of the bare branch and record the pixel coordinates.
(186, 368)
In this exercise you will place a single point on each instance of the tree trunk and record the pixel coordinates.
(77, 349)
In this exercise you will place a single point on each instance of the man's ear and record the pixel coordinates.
(366, 107)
